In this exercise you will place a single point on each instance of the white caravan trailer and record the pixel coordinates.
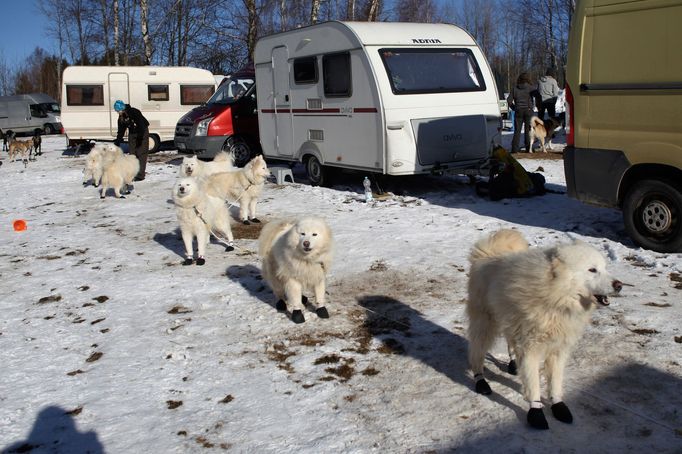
(390, 98)
(163, 95)
(29, 113)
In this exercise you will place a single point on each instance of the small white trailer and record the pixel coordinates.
(163, 95)
(389, 98)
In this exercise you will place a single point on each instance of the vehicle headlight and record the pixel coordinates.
(202, 126)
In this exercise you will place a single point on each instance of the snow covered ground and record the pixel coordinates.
(108, 344)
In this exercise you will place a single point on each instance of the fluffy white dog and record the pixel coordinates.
(296, 258)
(119, 174)
(200, 215)
(192, 167)
(100, 156)
(242, 185)
(541, 300)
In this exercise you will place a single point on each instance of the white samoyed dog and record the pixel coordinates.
(193, 167)
(540, 300)
(242, 185)
(200, 215)
(296, 258)
(100, 156)
(119, 175)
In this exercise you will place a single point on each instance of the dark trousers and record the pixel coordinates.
(549, 107)
(521, 117)
(140, 151)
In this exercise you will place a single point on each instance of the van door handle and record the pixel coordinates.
(395, 126)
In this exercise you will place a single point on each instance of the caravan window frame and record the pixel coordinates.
(97, 90)
(328, 74)
(474, 70)
(298, 80)
(161, 89)
(184, 95)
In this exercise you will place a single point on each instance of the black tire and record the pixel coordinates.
(154, 143)
(48, 129)
(240, 150)
(317, 173)
(652, 213)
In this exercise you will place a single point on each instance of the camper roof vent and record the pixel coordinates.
(316, 134)
(314, 104)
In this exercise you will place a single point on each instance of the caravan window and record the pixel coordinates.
(413, 71)
(336, 73)
(195, 94)
(305, 70)
(84, 95)
(157, 93)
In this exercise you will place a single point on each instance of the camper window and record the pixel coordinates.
(413, 71)
(84, 95)
(195, 94)
(157, 92)
(305, 70)
(337, 75)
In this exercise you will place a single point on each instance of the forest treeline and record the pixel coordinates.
(220, 35)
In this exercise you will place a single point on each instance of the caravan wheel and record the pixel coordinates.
(154, 143)
(316, 171)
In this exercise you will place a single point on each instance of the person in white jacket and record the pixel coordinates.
(548, 89)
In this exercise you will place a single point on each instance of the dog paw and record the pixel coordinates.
(281, 306)
(256, 220)
(482, 387)
(229, 248)
(201, 261)
(562, 413)
(322, 312)
(536, 419)
(297, 316)
(246, 222)
(511, 368)
(187, 261)
(101, 197)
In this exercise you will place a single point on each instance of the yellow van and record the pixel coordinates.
(624, 96)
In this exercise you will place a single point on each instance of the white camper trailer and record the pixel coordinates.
(390, 98)
(163, 95)
(29, 113)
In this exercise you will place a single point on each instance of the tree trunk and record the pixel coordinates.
(252, 30)
(116, 46)
(350, 10)
(144, 27)
(314, 11)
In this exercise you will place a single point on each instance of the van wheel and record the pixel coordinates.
(154, 143)
(652, 213)
(48, 129)
(240, 150)
(316, 171)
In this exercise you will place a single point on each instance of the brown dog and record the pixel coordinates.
(543, 131)
(20, 146)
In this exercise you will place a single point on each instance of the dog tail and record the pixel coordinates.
(502, 242)
(535, 121)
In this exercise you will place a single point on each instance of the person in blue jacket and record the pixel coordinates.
(132, 120)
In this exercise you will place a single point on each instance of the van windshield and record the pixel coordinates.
(230, 90)
(446, 70)
(50, 107)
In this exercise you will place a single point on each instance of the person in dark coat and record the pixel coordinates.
(131, 119)
(521, 100)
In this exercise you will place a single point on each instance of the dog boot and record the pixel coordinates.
(322, 312)
(297, 316)
(246, 222)
(256, 220)
(482, 386)
(562, 413)
(229, 247)
(201, 261)
(187, 261)
(511, 367)
(304, 300)
(281, 306)
(536, 419)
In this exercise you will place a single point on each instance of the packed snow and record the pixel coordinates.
(109, 344)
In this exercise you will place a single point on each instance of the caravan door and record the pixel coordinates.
(119, 88)
(284, 126)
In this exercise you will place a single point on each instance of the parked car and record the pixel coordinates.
(29, 114)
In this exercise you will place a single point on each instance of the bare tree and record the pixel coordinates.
(350, 10)
(144, 27)
(116, 31)
(314, 11)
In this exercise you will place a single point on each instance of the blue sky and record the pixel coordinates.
(22, 29)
